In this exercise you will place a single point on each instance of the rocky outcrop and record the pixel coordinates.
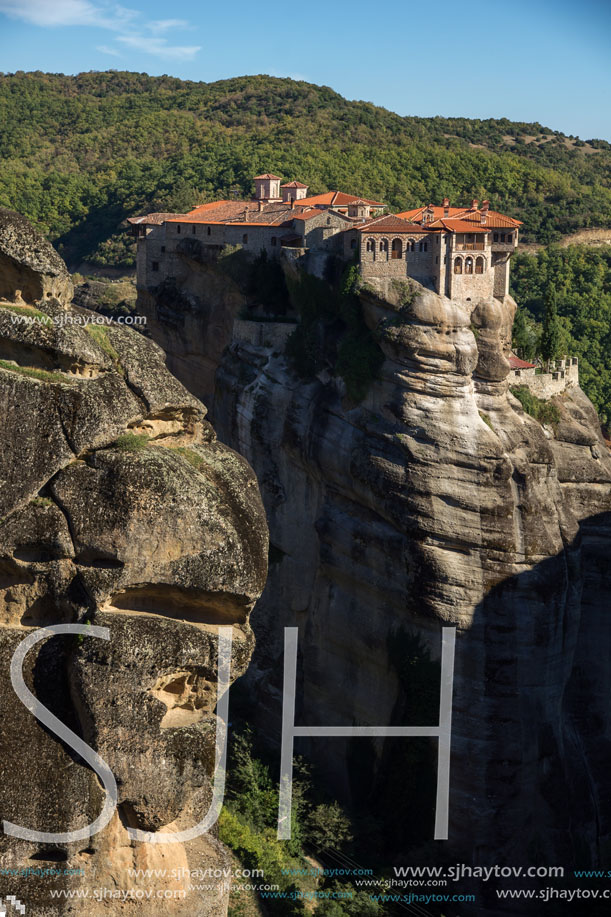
(30, 268)
(119, 508)
(191, 317)
(438, 501)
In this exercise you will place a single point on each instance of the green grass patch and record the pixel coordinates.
(131, 442)
(486, 419)
(29, 311)
(42, 501)
(543, 411)
(41, 374)
(192, 457)
(100, 336)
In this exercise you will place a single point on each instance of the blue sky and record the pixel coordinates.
(528, 60)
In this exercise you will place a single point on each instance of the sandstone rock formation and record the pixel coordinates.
(119, 508)
(30, 268)
(192, 319)
(438, 501)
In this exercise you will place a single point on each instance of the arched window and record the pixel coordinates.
(245, 239)
(353, 243)
(458, 265)
(273, 240)
(384, 247)
(468, 265)
(479, 265)
(397, 249)
(371, 246)
(328, 220)
(421, 246)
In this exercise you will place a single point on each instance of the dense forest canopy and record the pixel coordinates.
(581, 278)
(78, 154)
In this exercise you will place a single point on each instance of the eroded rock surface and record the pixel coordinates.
(119, 508)
(438, 501)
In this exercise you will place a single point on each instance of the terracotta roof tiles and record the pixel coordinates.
(517, 363)
(336, 199)
(390, 223)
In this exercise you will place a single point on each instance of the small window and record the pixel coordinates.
(209, 230)
(496, 237)
(245, 239)
(479, 265)
(384, 245)
(468, 265)
(426, 246)
(353, 243)
(397, 249)
(436, 259)
(193, 229)
(458, 265)
(412, 247)
(371, 246)
(328, 221)
(178, 230)
(273, 240)
(162, 248)
(509, 237)
(155, 266)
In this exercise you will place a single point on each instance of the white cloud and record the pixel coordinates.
(106, 49)
(108, 15)
(69, 12)
(159, 47)
(162, 25)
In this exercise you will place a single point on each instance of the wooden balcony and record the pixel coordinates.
(470, 247)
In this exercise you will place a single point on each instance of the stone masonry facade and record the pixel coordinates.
(459, 252)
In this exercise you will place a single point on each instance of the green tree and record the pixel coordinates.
(551, 337)
(525, 336)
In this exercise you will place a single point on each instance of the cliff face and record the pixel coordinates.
(439, 501)
(119, 508)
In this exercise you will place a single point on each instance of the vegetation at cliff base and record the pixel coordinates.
(543, 411)
(80, 153)
(248, 826)
(580, 278)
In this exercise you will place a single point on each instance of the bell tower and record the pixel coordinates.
(267, 188)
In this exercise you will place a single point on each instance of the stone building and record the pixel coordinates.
(561, 374)
(462, 253)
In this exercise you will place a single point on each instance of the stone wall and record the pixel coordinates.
(563, 373)
(380, 264)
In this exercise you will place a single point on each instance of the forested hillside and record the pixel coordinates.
(581, 277)
(79, 154)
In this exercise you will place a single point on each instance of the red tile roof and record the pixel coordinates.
(306, 214)
(455, 225)
(390, 223)
(492, 219)
(336, 199)
(268, 175)
(517, 363)
(293, 184)
(438, 212)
